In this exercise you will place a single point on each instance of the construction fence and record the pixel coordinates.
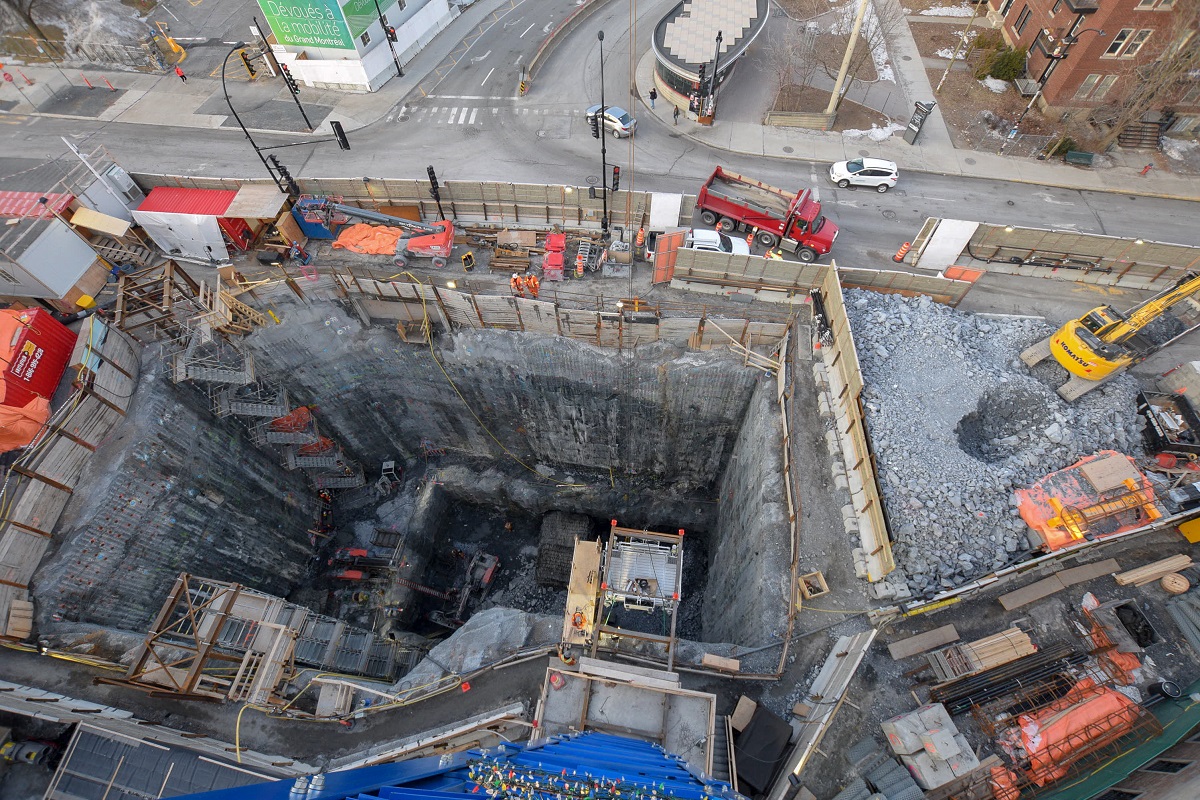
(846, 384)
(413, 304)
(968, 249)
(755, 274)
(529, 205)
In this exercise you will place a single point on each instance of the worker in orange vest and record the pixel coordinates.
(517, 284)
(533, 284)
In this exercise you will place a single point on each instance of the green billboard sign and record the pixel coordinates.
(309, 23)
(360, 14)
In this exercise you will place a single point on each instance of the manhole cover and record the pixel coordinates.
(591, 180)
(906, 58)
(788, 149)
(864, 152)
(900, 192)
(403, 118)
(969, 160)
(888, 214)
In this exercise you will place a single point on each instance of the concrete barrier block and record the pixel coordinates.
(839, 480)
(881, 591)
(851, 526)
(823, 406)
(860, 563)
(848, 512)
(831, 442)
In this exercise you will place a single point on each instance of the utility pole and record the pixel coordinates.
(962, 42)
(836, 97)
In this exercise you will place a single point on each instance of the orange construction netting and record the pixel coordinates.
(1056, 736)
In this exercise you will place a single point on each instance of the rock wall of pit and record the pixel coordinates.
(747, 595)
(174, 489)
(552, 402)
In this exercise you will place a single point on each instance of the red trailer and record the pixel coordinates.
(789, 220)
(35, 349)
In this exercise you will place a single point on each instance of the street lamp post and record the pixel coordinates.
(391, 43)
(1058, 54)
(712, 81)
(603, 146)
(241, 125)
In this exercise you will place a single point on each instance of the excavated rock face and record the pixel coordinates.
(958, 422)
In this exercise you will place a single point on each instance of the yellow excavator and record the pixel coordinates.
(1105, 342)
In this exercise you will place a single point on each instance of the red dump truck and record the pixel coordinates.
(733, 202)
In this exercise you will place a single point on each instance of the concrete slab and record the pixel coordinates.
(619, 707)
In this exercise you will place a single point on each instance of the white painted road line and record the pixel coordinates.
(463, 116)
(522, 36)
(474, 111)
(485, 77)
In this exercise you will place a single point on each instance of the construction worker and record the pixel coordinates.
(774, 255)
(533, 284)
(517, 284)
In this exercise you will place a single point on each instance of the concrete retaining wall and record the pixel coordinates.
(747, 596)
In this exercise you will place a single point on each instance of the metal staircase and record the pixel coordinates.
(1146, 133)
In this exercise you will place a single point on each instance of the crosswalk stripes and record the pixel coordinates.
(468, 115)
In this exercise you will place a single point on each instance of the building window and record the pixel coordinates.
(1192, 98)
(1006, 7)
(1085, 88)
(1022, 20)
(1057, 8)
(1135, 44)
(1118, 42)
(1154, 5)
(1166, 765)
(1102, 88)
(7, 277)
(1118, 794)
(365, 38)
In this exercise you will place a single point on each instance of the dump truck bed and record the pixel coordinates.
(751, 193)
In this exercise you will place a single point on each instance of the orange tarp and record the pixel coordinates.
(1070, 488)
(378, 240)
(1056, 736)
(18, 426)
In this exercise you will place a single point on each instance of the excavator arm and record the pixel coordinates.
(1141, 315)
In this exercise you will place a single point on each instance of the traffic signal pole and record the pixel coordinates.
(603, 146)
(389, 33)
(295, 90)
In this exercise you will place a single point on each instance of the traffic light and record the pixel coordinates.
(246, 63)
(595, 123)
(284, 175)
(616, 181)
(433, 184)
(339, 134)
(390, 30)
(701, 79)
(288, 79)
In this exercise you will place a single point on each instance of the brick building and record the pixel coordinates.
(1092, 53)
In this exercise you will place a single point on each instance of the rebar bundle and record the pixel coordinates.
(959, 695)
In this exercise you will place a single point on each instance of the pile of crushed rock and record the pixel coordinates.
(958, 422)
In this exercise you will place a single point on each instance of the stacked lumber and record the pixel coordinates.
(1000, 648)
(1152, 572)
(509, 260)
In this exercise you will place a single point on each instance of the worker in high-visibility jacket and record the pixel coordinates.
(517, 284)
(533, 284)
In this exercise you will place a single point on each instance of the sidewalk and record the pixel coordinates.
(159, 99)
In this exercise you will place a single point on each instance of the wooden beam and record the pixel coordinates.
(28, 473)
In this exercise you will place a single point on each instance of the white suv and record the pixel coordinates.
(875, 172)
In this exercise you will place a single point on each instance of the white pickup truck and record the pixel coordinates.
(701, 239)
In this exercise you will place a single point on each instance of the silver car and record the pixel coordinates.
(616, 119)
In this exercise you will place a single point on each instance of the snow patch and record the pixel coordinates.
(876, 134)
(870, 33)
(1178, 149)
(948, 11)
(945, 52)
(995, 85)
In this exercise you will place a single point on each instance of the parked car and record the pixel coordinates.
(616, 119)
(875, 172)
(701, 239)
(715, 242)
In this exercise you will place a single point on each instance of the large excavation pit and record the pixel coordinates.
(489, 433)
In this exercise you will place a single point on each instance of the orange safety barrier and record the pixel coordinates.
(902, 252)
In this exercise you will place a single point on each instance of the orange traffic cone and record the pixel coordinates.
(902, 252)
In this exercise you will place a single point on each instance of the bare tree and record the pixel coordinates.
(23, 10)
(791, 55)
(1154, 82)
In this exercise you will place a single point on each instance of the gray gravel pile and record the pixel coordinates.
(958, 422)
